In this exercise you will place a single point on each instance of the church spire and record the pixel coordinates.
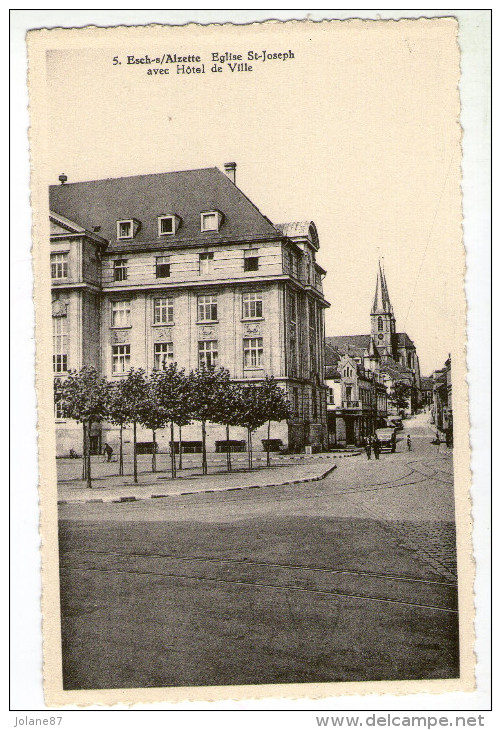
(381, 297)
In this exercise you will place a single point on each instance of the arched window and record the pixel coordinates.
(380, 324)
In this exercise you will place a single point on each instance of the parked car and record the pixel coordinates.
(387, 438)
(395, 422)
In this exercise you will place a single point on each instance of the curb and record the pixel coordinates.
(123, 500)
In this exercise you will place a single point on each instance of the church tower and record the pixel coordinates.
(382, 318)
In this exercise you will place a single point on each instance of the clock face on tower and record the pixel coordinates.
(380, 336)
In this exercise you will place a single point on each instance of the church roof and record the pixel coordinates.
(353, 345)
(347, 342)
(396, 370)
(403, 340)
(381, 297)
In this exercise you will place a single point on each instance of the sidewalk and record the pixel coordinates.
(123, 489)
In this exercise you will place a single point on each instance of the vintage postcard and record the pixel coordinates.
(250, 325)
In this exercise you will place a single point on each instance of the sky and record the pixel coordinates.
(357, 132)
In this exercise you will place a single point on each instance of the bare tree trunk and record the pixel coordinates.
(180, 448)
(172, 452)
(121, 454)
(249, 446)
(154, 454)
(89, 476)
(228, 453)
(84, 451)
(135, 452)
(204, 450)
(268, 445)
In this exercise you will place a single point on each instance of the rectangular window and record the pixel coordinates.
(120, 313)
(307, 271)
(292, 308)
(120, 359)
(252, 305)
(163, 267)
(287, 263)
(207, 354)
(295, 267)
(124, 229)
(58, 410)
(60, 344)
(251, 263)
(209, 221)
(253, 352)
(313, 337)
(166, 225)
(163, 310)
(59, 265)
(163, 355)
(207, 308)
(120, 269)
(205, 263)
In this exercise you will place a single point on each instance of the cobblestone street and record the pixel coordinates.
(352, 577)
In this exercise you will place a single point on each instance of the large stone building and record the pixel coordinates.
(362, 371)
(183, 267)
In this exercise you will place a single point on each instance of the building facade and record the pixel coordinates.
(182, 267)
(356, 402)
(441, 407)
(375, 364)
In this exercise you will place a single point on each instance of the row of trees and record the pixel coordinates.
(167, 399)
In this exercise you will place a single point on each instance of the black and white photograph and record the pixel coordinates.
(251, 373)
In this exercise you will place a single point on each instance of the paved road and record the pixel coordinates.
(351, 578)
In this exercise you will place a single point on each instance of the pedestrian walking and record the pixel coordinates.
(376, 447)
(409, 445)
(368, 447)
(108, 452)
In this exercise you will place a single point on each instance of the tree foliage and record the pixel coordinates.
(399, 394)
(170, 397)
(84, 397)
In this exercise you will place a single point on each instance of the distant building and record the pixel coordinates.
(427, 391)
(356, 400)
(441, 409)
(182, 267)
(388, 356)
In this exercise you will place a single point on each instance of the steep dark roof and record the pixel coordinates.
(403, 340)
(426, 383)
(145, 197)
(396, 370)
(381, 297)
(345, 342)
(353, 345)
(331, 372)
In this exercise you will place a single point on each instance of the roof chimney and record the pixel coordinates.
(62, 178)
(230, 169)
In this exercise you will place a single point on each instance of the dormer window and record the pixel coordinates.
(124, 229)
(168, 224)
(210, 220)
(127, 228)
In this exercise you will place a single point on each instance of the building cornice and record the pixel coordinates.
(152, 246)
(77, 285)
(204, 284)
